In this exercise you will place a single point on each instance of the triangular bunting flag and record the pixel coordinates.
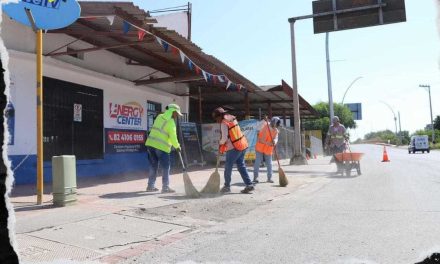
(220, 78)
(165, 45)
(190, 65)
(229, 84)
(159, 40)
(174, 50)
(141, 35)
(197, 70)
(182, 56)
(126, 27)
(214, 78)
(111, 19)
(205, 75)
(239, 87)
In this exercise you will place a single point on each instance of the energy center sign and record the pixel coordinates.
(127, 115)
(47, 14)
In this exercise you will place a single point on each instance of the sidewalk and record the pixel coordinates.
(115, 219)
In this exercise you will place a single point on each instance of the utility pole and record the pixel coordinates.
(348, 88)
(329, 78)
(297, 157)
(395, 118)
(428, 88)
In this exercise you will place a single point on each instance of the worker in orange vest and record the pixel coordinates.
(234, 144)
(267, 139)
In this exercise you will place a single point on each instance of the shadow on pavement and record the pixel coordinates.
(343, 177)
(32, 207)
(240, 184)
(122, 195)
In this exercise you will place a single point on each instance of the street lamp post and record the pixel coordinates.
(428, 88)
(348, 88)
(395, 118)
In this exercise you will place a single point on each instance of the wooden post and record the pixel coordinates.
(284, 117)
(200, 106)
(39, 53)
(246, 105)
(269, 106)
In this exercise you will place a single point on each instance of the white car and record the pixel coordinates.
(418, 143)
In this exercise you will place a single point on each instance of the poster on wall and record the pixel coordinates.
(10, 117)
(126, 115)
(249, 129)
(77, 112)
(124, 141)
(191, 143)
(211, 136)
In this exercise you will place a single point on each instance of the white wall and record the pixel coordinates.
(99, 69)
(22, 68)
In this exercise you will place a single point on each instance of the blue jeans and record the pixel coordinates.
(237, 157)
(156, 156)
(268, 161)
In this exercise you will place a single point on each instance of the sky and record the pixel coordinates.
(253, 37)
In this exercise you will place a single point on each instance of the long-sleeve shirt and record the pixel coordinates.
(263, 125)
(224, 137)
(336, 136)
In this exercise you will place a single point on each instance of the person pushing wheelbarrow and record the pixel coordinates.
(336, 141)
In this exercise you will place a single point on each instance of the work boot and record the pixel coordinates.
(168, 190)
(256, 181)
(225, 189)
(152, 189)
(269, 181)
(248, 189)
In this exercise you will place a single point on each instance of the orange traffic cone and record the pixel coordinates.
(385, 155)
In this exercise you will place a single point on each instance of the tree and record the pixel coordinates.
(437, 123)
(323, 123)
(385, 135)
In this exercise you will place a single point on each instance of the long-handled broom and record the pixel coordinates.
(281, 175)
(190, 190)
(213, 184)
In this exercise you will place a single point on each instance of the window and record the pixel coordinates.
(153, 110)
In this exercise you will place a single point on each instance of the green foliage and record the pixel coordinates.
(402, 138)
(429, 134)
(437, 123)
(323, 123)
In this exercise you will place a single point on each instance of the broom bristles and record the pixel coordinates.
(190, 190)
(282, 178)
(213, 184)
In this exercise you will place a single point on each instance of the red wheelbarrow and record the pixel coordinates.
(350, 161)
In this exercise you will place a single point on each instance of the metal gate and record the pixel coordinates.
(73, 120)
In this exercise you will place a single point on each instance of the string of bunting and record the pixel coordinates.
(209, 77)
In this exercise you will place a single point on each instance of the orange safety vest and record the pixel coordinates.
(265, 143)
(237, 138)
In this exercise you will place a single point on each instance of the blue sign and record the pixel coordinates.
(47, 14)
(356, 110)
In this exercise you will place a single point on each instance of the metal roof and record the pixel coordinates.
(94, 27)
(277, 97)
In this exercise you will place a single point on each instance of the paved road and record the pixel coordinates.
(390, 214)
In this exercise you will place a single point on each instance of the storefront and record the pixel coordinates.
(106, 77)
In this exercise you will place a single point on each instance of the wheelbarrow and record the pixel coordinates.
(350, 161)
